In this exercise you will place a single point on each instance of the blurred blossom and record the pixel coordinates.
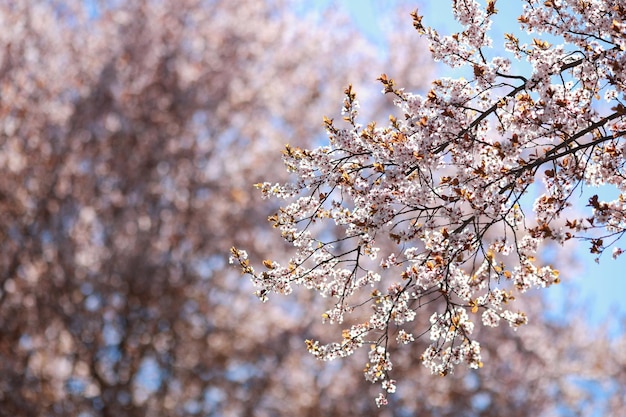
(130, 136)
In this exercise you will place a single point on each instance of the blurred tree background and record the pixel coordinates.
(130, 137)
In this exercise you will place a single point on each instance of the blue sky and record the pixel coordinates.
(601, 287)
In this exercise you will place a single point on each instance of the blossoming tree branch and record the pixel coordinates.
(426, 214)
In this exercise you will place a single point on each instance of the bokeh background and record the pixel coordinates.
(130, 136)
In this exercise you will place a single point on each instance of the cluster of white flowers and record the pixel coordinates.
(443, 185)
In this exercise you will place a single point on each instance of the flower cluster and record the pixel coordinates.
(439, 189)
